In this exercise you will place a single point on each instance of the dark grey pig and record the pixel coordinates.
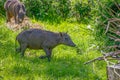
(41, 39)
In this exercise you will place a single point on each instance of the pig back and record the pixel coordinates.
(41, 38)
(9, 6)
(36, 39)
(23, 37)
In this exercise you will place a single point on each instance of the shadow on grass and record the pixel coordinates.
(58, 68)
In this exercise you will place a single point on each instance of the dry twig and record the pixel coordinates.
(113, 55)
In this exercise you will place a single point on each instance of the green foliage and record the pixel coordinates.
(57, 10)
(82, 10)
(53, 10)
(2, 11)
(104, 13)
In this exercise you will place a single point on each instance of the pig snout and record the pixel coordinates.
(20, 20)
(67, 40)
(72, 44)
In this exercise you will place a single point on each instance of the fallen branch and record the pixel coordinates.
(114, 46)
(93, 60)
(101, 58)
(111, 20)
(113, 55)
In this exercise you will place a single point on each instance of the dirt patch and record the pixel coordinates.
(26, 24)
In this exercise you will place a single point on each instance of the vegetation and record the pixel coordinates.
(66, 63)
(108, 13)
(73, 16)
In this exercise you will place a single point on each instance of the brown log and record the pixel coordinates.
(114, 46)
(118, 32)
(110, 12)
(113, 72)
(112, 36)
(112, 22)
(117, 5)
(117, 40)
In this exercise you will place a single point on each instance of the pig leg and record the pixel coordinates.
(16, 19)
(18, 49)
(16, 16)
(48, 53)
(23, 48)
(7, 17)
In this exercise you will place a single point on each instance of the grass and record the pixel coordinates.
(67, 63)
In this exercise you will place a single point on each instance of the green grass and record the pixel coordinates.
(67, 63)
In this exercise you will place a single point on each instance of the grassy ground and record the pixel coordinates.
(66, 63)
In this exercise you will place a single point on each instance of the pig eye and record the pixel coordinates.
(66, 38)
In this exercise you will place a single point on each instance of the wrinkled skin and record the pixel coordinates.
(14, 8)
(41, 39)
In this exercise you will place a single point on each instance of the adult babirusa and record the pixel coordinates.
(16, 9)
(41, 39)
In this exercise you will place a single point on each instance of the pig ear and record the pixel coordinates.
(61, 34)
(66, 32)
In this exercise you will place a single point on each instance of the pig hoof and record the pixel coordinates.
(21, 56)
(42, 57)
